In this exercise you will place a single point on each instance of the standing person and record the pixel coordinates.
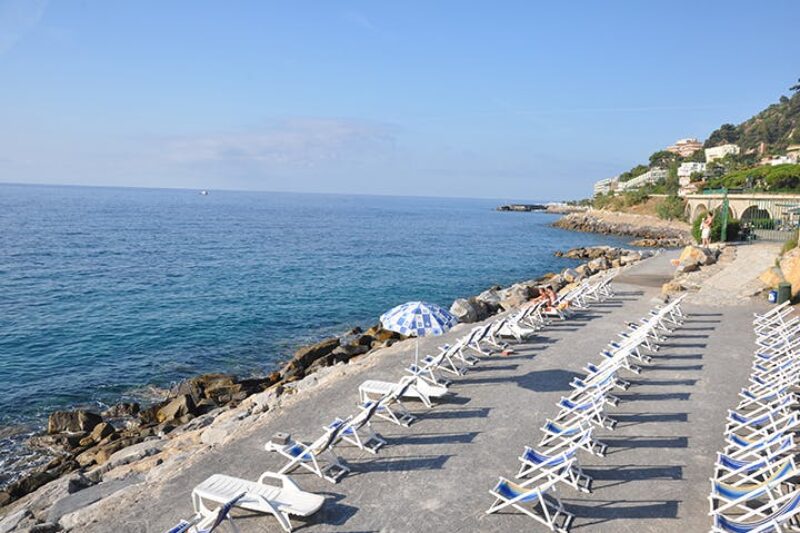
(705, 229)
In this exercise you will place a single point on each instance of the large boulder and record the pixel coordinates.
(672, 287)
(771, 277)
(78, 421)
(176, 408)
(465, 310)
(790, 267)
(698, 256)
(570, 275)
(490, 298)
(305, 356)
(600, 263)
(514, 296)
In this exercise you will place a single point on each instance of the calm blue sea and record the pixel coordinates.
(104, 291)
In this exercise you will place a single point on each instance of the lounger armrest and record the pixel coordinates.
(286, 481)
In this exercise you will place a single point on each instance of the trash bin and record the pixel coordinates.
(784, 292)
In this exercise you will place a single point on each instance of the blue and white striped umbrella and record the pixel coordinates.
(418, 319)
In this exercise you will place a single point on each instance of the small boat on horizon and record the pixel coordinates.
(204, 193)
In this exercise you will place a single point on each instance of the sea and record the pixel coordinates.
(108, 294)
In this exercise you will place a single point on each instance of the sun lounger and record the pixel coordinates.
(539, 501)
(281, 501)
(205, 521)
(357, 430)
(317, 457)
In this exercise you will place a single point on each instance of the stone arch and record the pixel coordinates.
(758, 217)
(699, 209)
(731, 212)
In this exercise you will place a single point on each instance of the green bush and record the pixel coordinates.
(671, 208)
(790, 244)
(732, 232)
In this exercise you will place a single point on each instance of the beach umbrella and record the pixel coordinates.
(418, 319)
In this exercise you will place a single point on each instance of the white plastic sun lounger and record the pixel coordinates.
(281, 501)
(413, 387)
(389, 397)
(317, 457)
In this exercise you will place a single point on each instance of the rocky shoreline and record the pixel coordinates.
(92, 448)
(650, 231)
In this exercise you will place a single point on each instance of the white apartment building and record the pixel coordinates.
(718, 152)
(687, 169)
(650, 177)
(605, 186)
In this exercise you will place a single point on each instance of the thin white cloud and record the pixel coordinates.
(17, 18)
(295, 142)
(359, 19)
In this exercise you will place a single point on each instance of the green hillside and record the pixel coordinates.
(778, 126)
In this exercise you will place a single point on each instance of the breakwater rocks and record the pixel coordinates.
(522, 207)
(80, 439)
(651, 232)
(497, 299)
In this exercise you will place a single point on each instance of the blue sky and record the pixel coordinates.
(518, 100)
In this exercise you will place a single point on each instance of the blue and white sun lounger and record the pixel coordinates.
(539, 501)
(317, 457)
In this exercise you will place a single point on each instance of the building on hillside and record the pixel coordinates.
(687, 169)
(793, 151)
(605, 186)
(652, 176)
(685, 147)
(718, 152)
(780, 160)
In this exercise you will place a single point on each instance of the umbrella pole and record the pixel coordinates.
(416, 354)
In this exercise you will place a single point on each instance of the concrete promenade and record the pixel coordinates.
(435, 475)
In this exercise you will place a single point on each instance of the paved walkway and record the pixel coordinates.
(735, 284)
(435, 476)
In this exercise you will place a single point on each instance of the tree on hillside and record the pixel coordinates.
(726, 134)
(796, 88)
(662, 159)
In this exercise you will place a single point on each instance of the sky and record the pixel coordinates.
(517, 100)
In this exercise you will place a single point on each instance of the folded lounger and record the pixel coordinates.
(280, 501)
(310, 456)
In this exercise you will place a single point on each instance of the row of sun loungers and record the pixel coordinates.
(276, 494)
(754, 484)
(555, 461)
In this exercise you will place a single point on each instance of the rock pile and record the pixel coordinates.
(692, 259)
(496, 299)
(649, 235)
(80, 439)
(786, 270)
